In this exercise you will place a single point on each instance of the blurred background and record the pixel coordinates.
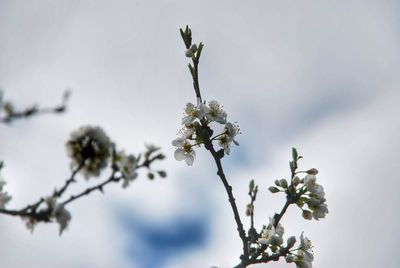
(322, 76)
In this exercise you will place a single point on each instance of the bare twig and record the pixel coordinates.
(11, 114)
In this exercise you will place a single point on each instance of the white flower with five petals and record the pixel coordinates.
(214, 112)
(193, 112)
(184, 151)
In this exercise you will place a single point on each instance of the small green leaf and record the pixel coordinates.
(294, 154)
(251, 186)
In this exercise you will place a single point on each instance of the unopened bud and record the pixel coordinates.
(162, 173)
(273, 189)
(193, 48)
(290, 258)
(189, 53)
(312, 171)
(249, 209)
(307, 214)
(283, 183)
(296, 181)
(291, 241)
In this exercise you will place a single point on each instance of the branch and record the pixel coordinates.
(228, 189)
(43, 215)
(11, 114)
(94, 188)
(59, 193)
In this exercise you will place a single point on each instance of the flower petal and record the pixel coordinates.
(189, 159)
(179, 154)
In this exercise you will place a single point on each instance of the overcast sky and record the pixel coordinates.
(322, 76)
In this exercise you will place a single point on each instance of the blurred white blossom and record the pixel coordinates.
(91, 147)
(127, 165)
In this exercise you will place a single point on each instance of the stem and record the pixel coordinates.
(279, 216)
(195, 76)
(69, 181)
(228, 189)
(94, 188)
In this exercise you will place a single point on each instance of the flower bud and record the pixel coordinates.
(307, 214)
(283, 183)
(249, 209)
(189, 53)
(273, 189)
(162, 173)
(296, 181)
(277, 183)
(312, 171)
(291, 241)
(290, 258)
(193, 48)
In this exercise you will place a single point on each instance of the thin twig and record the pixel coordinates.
(94, 188)
(59, 193)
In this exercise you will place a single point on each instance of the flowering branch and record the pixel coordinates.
(91, 151)
(267, 245)
(11, 114)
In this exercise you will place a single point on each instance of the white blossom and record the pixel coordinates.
(266, 235)
(56, 211)
(305, 243)
(214, 112)
(184, 151)
(320, 211)
(316, 200)
(91, 146)
(30, 223)
(127, 165)
(62, 216)
(272, 235)
(310, 182)
(193, 112)
(232, 130)
(303, 257)
(227, 138)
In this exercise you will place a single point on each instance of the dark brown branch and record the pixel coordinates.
(44, 214)
(59, 193)
(228, 189)
(98, 187)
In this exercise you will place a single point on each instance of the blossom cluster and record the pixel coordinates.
(272, 238)
(272, 235)
(89, 147)
(91, 151)
(306, 191)
(54, 211)
(127, 165)
(201, 115)
(303, 255)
